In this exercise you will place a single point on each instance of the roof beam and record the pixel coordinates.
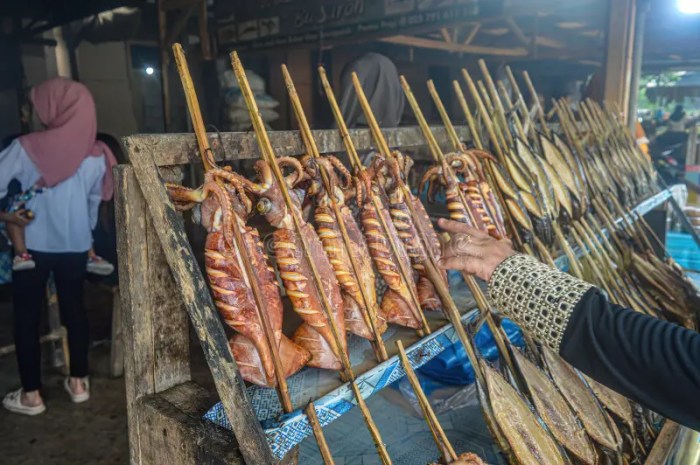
(472, 34)
(420, 42)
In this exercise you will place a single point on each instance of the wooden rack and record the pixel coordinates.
(162, 287)
(161, 284)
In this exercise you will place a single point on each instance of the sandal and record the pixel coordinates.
(99, 266)
(23, 261)
(78, 398)
(13, 403)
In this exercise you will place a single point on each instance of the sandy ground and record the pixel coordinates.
(93, 433)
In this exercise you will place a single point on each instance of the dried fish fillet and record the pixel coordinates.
(529, 441)
(555, 412)
(616, 403)
(581, 400)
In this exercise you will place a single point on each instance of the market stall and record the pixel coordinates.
(564, 219)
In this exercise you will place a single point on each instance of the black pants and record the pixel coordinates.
(29, 295)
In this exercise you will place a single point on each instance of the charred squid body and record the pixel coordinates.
(338, 254)
(407, 231)
(397, 305)
(483, 212)
(314, 334)
(230, 285)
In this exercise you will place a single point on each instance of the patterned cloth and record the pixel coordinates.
(539, 298)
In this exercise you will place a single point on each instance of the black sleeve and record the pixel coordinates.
(650, 361)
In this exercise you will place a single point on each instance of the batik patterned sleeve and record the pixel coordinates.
(536, 296)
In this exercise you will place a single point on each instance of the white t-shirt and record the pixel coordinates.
(66, 213)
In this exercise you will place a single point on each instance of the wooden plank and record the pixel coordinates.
(180, 149)
(177, 433)
(130, 211)
(664, 441)
(195, 294)
(618, 62)
(116, 351)
(420, 42)
(170, 333)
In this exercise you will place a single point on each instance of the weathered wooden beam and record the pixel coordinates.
(180, 149)
(180, 22)
(446, 35)
(472, 34)
(204, 37)
(529, 41)
(518, 32)
(156, 333)
(177, 434)
(420, 42)
(620, 48)
(662, 446)
(194, 293)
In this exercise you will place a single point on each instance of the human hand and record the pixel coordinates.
(19, 217)
(472, 251)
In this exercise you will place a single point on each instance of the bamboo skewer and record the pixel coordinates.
(318, 433)
(441, 440)
(497, 104)
(368, 317)
(435, 150)
(473, 131)
(269, 156)
(360, 168)
(209, 163)
(374, 432)
(500, 153)
(193, 107)
(509, 107)
(520, 100)
(536, 102)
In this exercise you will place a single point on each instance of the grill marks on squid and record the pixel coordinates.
(397, 303)
(233, 297)
(353, 301)
(306, 298)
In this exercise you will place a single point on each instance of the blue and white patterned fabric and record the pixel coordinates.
(5, 267)
(283, 432)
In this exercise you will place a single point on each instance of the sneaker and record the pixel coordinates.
(100, 266)
(23, 261)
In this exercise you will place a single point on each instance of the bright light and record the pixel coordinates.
(150, 70)
(689, 7)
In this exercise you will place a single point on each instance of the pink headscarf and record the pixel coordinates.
(67, 110)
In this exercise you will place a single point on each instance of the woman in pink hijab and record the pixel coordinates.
(64, 174)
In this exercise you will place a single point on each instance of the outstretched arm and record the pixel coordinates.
(650, 361)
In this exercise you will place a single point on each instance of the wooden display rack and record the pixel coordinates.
(161, 284)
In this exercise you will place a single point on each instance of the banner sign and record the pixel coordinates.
(280, 23)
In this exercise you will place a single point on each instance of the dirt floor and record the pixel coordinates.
(93, 433)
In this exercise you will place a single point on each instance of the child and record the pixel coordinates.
(23, 260)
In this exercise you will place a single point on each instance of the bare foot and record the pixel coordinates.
(31, 398)
(77, 385)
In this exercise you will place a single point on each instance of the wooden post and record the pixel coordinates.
(164, 63)
(620, 41)
(152, 314)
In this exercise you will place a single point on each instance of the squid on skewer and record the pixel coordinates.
(314, 334)
(222, 210)
(330, 234)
